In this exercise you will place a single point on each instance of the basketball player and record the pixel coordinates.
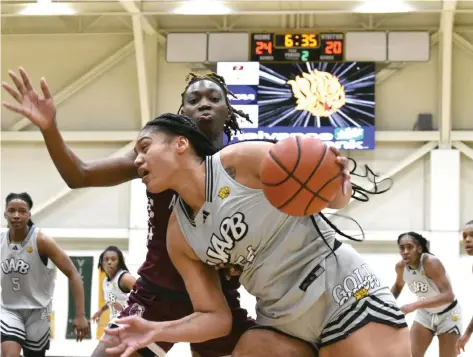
(28, 264)
(295, 266)
(468, 244)
(438, 312)
(117, 285)
(159, 293)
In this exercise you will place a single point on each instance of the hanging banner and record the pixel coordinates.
(85, 267)
(105, 317)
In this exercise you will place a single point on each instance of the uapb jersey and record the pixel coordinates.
(421, 285)
(26, 282)
(278, 252)
(113, 295)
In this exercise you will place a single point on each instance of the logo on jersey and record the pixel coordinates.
(357, 285)
(136, 310)
(149, 208)
(29, 250)
(418, 287)
(13, 265)
(224, 192)
(232, 230)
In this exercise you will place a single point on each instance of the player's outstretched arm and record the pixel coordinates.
(41, 111)
(212, 317)
(399, 283)
(48, 247)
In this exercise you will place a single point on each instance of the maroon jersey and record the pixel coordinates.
(158, 268)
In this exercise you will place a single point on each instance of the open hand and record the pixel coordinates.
(39, 109)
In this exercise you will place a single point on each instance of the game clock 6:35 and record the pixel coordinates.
(297, 47)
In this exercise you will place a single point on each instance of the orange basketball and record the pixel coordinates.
(300, 176)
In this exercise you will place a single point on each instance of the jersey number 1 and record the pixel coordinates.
(16, 284)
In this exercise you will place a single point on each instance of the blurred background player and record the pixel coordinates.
(159, 293)
(438, 312)
(28, 259)
(118, 283)
(468, 245)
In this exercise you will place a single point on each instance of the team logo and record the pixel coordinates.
(232, 230)
(418, 287)
(136, 310)
(358, 285)
(224, 192)
(455, 317)
(319, 93)
(29, 250)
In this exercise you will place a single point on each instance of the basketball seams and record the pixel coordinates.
(304, 184)
(289, 173)
(299, 181)
(320, 197)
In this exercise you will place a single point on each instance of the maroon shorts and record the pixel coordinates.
(167, 305)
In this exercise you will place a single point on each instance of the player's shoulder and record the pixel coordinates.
(431, 261)
(244, 150)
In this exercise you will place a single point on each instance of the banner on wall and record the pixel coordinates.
(105, 318)
(334, 102)
(85, 266)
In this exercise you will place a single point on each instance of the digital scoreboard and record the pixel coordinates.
(297, 47)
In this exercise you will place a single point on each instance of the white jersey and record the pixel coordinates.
(26, 282)
(423, 286)
(113, 294)
(281, 255)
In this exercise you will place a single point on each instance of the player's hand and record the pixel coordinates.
(343, 163)
(81, 327)
(230, 270)
(117, 306)
(96, 317)
(408, 308)
(133, 333)
(39, 109)
(461, 343)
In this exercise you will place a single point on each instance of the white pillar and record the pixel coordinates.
(445, 209)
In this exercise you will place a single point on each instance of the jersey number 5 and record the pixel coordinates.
(16, 284)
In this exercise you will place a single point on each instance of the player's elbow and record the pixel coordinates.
(76, 180)
(225, 324)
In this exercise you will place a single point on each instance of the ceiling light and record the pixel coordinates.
(47, 8)
(202, 7)
(380, 6)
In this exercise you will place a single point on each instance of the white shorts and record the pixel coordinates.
(28, 327)
(353, 297)
(448, 321)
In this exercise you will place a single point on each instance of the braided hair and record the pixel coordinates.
(231, 126)
(177, 124)
(422, 241)
(23, 196)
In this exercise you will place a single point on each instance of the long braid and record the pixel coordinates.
(178, 124)
(231, 126)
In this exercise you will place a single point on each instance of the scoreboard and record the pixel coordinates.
(297, 47)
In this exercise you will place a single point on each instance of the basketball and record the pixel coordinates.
(300, 176)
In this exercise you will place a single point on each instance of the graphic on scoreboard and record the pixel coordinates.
(332, 101)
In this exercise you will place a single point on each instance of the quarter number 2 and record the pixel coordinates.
(16, 284)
